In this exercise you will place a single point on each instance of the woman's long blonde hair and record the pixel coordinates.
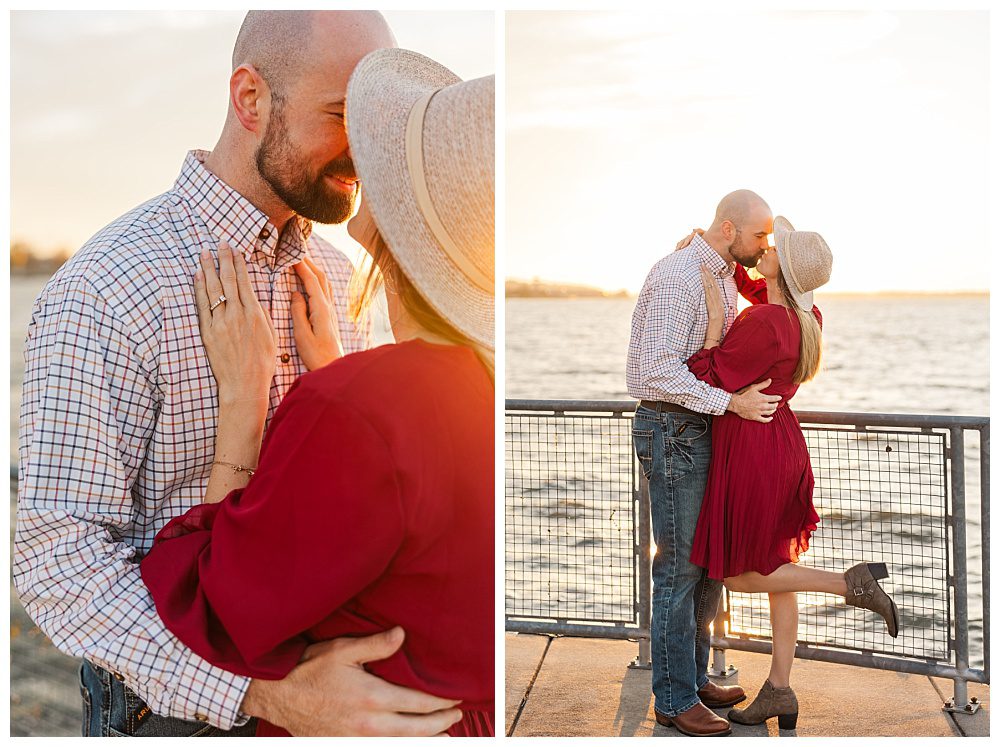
(810, 337)
(366, 283)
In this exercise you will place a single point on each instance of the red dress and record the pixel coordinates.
(757, 513)
(372, 507)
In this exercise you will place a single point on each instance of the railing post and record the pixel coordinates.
(960, 570)
(719, 668)
(645, 584)
(984, 542)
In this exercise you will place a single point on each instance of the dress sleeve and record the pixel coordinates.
(241, 581)
(754, 291)
(747, 353)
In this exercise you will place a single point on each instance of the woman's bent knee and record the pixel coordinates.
(736, 583)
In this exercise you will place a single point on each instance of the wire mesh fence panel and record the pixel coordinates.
(882, 498)
(570, 518)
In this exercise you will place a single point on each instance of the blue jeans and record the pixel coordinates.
(110, 709)
(674, 450)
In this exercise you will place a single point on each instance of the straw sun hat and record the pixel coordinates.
(422, 142)
(805, 260)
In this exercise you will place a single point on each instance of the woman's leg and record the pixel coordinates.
(776, 697)
(784, 631)
(789, 578)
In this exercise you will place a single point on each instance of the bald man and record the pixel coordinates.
(672, 438)
(119, 404)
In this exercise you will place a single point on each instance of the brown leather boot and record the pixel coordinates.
(770, 701)
(864, 591)
(721, 696)
(696, 721)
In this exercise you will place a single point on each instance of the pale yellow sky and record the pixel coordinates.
(624, 129)
(105, 105)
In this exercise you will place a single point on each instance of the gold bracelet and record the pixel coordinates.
(237, 467)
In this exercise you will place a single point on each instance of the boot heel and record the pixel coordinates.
(878, 571)
(788, 720)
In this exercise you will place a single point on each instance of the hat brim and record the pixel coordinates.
(783, 227)
(382, 90)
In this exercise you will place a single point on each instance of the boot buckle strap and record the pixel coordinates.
(859, 591)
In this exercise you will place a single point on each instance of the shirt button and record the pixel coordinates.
(285, 357)
(200, 717)
(265, 234)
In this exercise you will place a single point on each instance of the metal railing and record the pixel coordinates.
(889, 488)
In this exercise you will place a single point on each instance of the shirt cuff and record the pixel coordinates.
(209, 694)
(715, 402)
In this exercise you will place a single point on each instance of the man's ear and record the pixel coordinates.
(728, 230)
(248, 95)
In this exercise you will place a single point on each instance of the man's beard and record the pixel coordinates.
(288, 175)
(739, 252)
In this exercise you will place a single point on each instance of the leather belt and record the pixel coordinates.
(669, 407)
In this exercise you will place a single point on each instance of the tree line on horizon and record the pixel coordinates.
(25, 259)
(536, 288)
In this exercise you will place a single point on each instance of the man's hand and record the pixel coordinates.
(750, 404)
(330, 694)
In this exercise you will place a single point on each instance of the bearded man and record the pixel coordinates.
(672, 437)
(119, 409)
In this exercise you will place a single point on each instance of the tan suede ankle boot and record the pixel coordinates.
(770, 701)
(863, 590)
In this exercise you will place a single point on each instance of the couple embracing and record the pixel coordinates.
(730, 481)
(336, 579)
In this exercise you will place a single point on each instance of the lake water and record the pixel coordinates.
(882, 354)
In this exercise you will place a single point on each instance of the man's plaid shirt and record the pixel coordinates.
(669, 325)
(118, 421)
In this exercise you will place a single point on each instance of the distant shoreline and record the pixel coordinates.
(540, 289)
(558, 292)
(33, 273)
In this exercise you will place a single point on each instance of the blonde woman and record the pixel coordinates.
(757, 515)
(372, 503)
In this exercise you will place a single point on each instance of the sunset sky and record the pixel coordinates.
(104, 105)
(625, 129)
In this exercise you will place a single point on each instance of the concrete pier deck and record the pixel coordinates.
(560, 686)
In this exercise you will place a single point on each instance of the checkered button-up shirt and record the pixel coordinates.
(669, 325)
(118, 422)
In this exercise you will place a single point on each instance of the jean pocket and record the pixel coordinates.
(131, 717)
(642, 441)
(687, 428)
(681, 445)
(162, 726)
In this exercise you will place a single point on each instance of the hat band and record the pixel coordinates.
(415, 163)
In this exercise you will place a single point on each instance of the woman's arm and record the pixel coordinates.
(241, 581)
(754, 291)
(745, 356)
(242, 350)
(716, 309)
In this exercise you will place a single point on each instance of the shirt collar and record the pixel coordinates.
(232, 217)
(709, 257)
